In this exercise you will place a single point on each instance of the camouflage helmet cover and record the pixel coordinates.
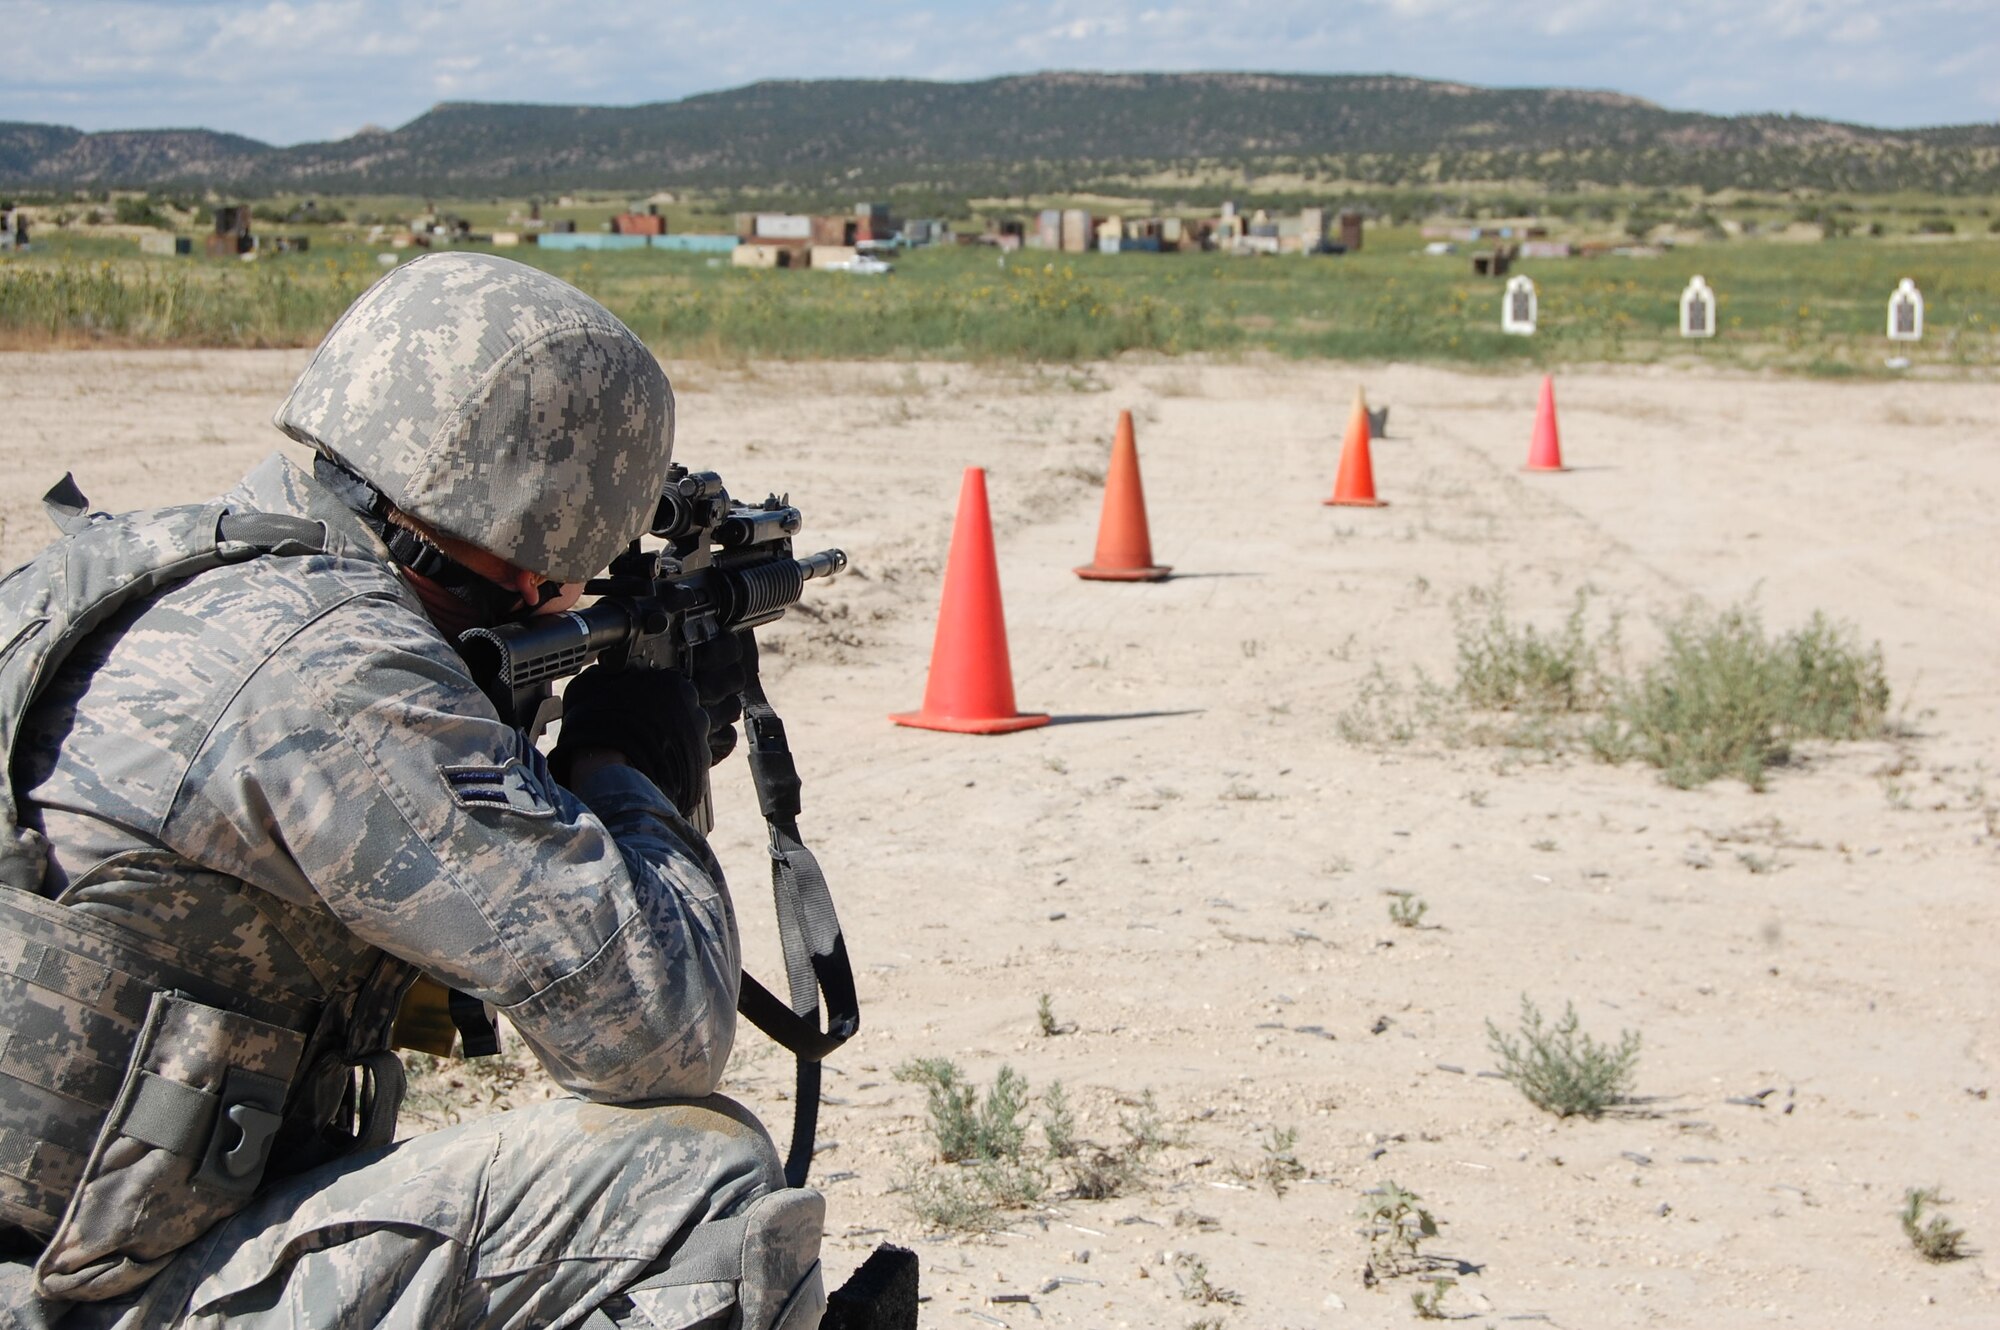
(497, 403)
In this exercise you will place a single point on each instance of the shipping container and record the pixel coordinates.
(1076, 231)
(696, 244)
(783, 226)
(836, 230)
(592, 240)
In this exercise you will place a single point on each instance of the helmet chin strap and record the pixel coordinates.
(486, 602)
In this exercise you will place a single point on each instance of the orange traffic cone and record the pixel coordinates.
(1124, 545)
(1545, 452)
(1354, 487)
(971, 685)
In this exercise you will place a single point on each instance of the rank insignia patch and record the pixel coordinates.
(506, 788)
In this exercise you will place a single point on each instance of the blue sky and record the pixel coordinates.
(286, 71)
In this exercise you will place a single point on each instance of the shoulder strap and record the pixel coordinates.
(816, 961)
(99, 566)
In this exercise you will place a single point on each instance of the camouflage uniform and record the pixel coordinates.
(282, 763)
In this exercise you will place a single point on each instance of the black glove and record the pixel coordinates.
(651, 716)
(719, 675)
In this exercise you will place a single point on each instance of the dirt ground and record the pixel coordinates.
(1192, 863)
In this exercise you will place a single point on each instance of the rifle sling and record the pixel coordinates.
(816, 962)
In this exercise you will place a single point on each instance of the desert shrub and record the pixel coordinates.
(1726, 699)
(1935, 1240)
(1406, 909)
(1281, 1165)
(1058, 1122)
(962, 1125)
(1561, 1069)
(1505, 666)
(1396, 1225)
(985, 1137)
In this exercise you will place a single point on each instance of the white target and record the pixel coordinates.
(1519, 306)
(1697, 309)
(1906, 313)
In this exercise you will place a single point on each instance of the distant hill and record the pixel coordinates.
(1040, 132)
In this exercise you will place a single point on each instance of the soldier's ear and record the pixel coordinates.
(524, 583)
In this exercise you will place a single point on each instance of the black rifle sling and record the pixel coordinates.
(815, 952)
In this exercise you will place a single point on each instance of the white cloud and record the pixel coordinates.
(286, 70)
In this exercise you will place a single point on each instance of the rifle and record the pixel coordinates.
(725, 567)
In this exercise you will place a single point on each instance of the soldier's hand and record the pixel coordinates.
(651, 716)
(719, 675)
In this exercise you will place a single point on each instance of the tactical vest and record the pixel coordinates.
(142, 1088)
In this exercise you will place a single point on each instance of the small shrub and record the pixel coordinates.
(1397, 1227)
(952, 1102)
(1098, 1173)
(1406, 909)
(1726, 700)
(1144, 1131)
(1430, 1306)
(1507, 667)
(1058, 1122)
(962, 1126)
(1560, 1069)
(1101, 1174)
(1281, 1166)
(1045, 1018)
(1935, 1240)
(1000, 1130)
(949, 1198)
(1191, 1272)
(983, 1136)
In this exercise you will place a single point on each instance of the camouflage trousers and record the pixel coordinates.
(562, 1214)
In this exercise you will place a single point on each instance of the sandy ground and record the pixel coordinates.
(1193, 864)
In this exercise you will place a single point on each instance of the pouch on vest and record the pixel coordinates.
(183, 1147)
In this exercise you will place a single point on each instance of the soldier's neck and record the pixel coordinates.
(451, 614)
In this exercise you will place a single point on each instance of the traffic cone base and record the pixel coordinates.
(1124, 543)
(923, 720)
(1158, 572)
(1355, 503)
(970, 689)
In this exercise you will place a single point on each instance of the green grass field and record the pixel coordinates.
(1815, 308)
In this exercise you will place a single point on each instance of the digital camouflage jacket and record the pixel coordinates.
(283, 765)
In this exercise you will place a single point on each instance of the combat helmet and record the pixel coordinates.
(497, 403)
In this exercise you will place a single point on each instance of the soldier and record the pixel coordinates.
(256, 794)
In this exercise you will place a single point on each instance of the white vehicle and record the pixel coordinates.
(866, 264)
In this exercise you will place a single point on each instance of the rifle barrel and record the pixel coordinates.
(520, 655)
